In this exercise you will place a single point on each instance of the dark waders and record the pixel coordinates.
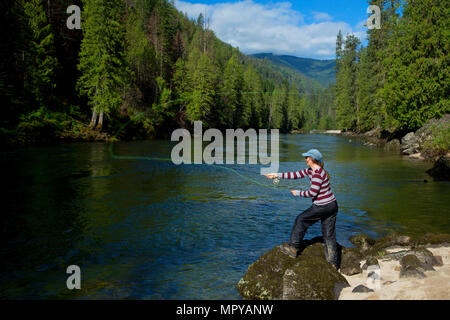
(327, 215)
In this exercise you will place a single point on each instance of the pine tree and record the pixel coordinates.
(102, 59)
(295, 109)
(347, 109)
(373, 68)
(417, 85)
(232, 97)
(253, 100)
(278, 111)
(41, 63)
(203, 94)
(141, 58)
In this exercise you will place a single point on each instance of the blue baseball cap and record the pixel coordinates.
(313, 153)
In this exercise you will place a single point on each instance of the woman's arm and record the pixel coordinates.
(293, 175)
(316, 182)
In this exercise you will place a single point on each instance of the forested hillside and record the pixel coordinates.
(322, 71)
(139, 63)
(401, 78)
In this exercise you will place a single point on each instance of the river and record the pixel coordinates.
(142, 229)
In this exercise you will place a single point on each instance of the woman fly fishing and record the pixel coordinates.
(323, 208)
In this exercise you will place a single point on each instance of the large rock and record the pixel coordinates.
(362, 242)
(416, 142)
(391, 239)
(441, 169)
(410, 144)
(361, 289)
(411, 267)
(350, 261)
(312, 279)
(264, 278)
(277, 276)
(393, 145)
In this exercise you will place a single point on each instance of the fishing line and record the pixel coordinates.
(118, 157)
(275, 182)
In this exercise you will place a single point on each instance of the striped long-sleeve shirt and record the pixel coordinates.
(320, 190)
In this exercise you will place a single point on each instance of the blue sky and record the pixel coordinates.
(300, 28)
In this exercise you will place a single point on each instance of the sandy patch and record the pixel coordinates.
(387, 284)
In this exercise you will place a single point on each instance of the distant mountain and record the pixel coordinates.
(320, 70)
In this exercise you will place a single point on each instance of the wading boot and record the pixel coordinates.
(289, 250)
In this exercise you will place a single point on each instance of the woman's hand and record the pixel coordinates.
(295, 192)
(272, 175)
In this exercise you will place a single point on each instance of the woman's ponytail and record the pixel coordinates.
(322, 164)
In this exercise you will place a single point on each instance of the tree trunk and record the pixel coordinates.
(93, 119)
(100, 121)
(357, 115)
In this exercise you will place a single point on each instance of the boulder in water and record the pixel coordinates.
(276, 275)
(441, 169)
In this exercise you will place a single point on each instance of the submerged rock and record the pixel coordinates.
(441, 169)
(393, 145)
(433, 238)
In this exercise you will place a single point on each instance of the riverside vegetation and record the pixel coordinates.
(143, 64)
(149, 66)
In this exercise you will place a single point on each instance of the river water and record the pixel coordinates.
(143, 229)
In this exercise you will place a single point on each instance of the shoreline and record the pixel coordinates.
(394, 267)
(414, 145)
(392, 286)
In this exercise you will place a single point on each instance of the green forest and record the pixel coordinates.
(401, 78)
(140, 69)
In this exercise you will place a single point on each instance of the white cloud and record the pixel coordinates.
(274, 27)
(321, 16)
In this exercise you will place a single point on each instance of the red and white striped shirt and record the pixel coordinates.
(320, 190)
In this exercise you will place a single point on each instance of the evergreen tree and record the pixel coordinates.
(253, 100)
(233, 100)
(278, 109)
(41, 63)
(181, 85)
(373, 68)
(417, 68)
(295, 109)
(102, 57)
(203, 94)
(347, 109)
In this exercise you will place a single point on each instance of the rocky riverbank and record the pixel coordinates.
(429, 143)
(393, 267)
